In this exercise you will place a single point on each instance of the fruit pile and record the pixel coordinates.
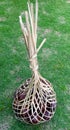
(40, 109)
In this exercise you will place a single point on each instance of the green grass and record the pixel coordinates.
(54, 59)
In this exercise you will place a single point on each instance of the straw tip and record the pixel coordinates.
(19, 17)
(44, 39)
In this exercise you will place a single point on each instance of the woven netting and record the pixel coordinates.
(35, 100)
(35, 104)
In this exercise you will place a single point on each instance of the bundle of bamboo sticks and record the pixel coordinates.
(30, 34)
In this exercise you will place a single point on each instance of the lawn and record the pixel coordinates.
(53, 58)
